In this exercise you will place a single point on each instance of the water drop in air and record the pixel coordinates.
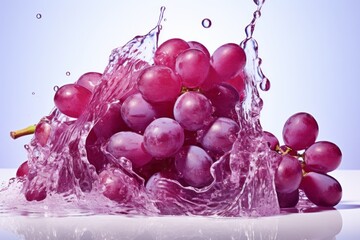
(56, 88)
(265, 84)
(33, 93)
(26, 146)
(206, 23)
(68, 73)
(38, 16)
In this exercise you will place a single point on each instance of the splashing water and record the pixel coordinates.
(60, 171)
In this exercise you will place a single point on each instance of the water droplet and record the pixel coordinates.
(257, 14)
(33, 93)
(56, 88)
(265, 84)
(68, 73)
(26, 146)
(38, 16)
(111, 58)
(206, 23)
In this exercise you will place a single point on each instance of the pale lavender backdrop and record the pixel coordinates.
(309, 50)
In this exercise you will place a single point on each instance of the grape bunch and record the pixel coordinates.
(305, 163)
(177, 120)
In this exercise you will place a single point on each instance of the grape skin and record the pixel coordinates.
(163, 137)
(167, 52)
(89, 80)
(321, 189)
(300, 131)
(322, 157)
(288, 175)
(272, 141)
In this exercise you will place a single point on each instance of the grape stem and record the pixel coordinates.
(23, 132)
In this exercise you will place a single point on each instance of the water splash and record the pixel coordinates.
(243, 178)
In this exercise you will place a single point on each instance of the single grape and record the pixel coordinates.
(197, 45)
(193, 164)
(167, 52)
(220, 135)
(89, 80)
(23, 170)
(192, 65)
(288, 200)
(192, 110)
(224, 99)
(72, 99)
(322, 157)
(130, 146)
(321, 189)
(36, 190)
(159, 84)
(137, 112)
(42, 132)
(116, 185)
(228, 60)
(163, 137)
(300, 131)
(272, 141)
(288, 175)
(93, 152)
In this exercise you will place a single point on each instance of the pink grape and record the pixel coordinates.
(192, 110)
(288, 175)
(285, 149)
(228, 60)
(89, 80)
(300, 131)
(72, 99)
(163, 137)
(322, 157)
(224, 99)
(238, 82)
(321, 189)
(193, 164)
(159, 84)
(200, 46)
(130, 146)
(137, 112)
(168, 51)
(288, 200)
(272, 141)
(192, 65)
(42, 132)
(23, 170)
(220, 135)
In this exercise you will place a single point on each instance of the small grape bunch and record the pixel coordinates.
(305, 163)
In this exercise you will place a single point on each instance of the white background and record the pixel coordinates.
(309, 51)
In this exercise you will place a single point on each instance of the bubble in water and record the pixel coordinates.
(56, 88)
(68, 73)
(265, 84)
(206, 23)
(38, 16)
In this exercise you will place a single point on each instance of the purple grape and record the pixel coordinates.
(224, 99)
(192, 110)
(288, 200)
(321, 189)
(193, 165)
(89, 80)
(272, 141)
(220, 135)
(192, 65)
(163, 137)
(286, 150)
(159, 84)
(130, 146)
(322, 157)
(72, 99)
(137, 112)
(288, 174)
(300, 131)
